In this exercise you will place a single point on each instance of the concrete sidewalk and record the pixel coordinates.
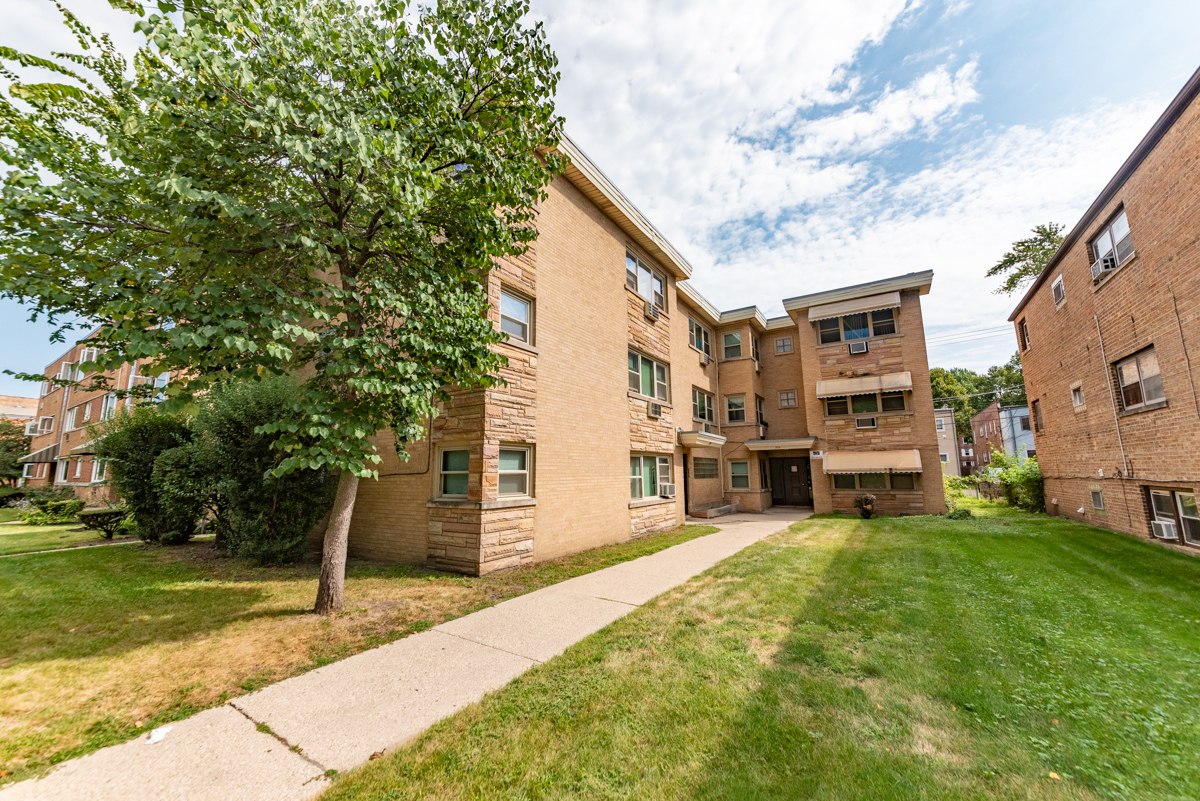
(279, 742)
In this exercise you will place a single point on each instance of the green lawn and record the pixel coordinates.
(1009, 656)
(7, 514)
(23, 539)
(99, 644)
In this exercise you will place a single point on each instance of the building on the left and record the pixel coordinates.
(61, 453)
(13, 407)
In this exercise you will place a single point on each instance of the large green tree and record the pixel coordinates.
(13, 445)
(315, 187)
(1027, 258)
(969, 392)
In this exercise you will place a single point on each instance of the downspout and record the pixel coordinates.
(1112, 396)
(1186, 356)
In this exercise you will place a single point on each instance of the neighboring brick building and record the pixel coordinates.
(61, 452)
(1002, 429)
(948, 452)
(15, 408)
(631, 397)
(967, 463)
(1110, 344)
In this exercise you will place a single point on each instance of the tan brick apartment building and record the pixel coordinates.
(948, 450)
(1110, 344)
(631, 400)
(17, 408)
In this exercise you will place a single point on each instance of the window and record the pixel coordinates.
(739, 475)
(903, 481)
(644, 281)
(787, 399)
(72, 418)
(45, 425)
(1060, 292)
(764, 475)
(704, 468)
(836, 406)
(883, 322)
(87, 411)
(733, 345)
(841, 481)
(967, 452)
(830, 330)
(945, 458)
(1189, 516)
(1023, 334)
(647, 474)
(872, 480)
(514, 471)
(941, 423)
(78, 468)
(1098, 500)
(758, 411)
(1077, 396)
(514, 316)
(108, 407)
(893, 401)
(783, 345)
(1031, 453)
(99, 470)
(698, 336)
(647, 377)
(854, 326)
(702, 405)
(1024, 423)
(1163, 524)
(453, 472)
(754, 348)
(864, 404)
(735, 408)
(1140, 380)
(1038, 425)
(47, 387)
(29, 471)
(69, 372)
(1114, 245)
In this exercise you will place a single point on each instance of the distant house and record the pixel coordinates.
(1002, 429)
(1109, 335)
(943, 420)
(15, 408)
(966, 451)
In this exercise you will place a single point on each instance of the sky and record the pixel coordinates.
(790, 147)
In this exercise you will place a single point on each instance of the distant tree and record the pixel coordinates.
(1027, 258)
(311, 187)
(969, 393)
(13, 445)
(949, 391)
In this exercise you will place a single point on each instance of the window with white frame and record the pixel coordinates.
(783, 345)
(47, 387)
(787, 399)
(941, 423)
(645, 281)
(1098, 500)
(108, 407)
(735, 408)
(1140, 380)
(1059, 291)
(453, 472)
(99, 469)
(1114, 244)
(31, 428)
(758, 410)
(945, 458)
(739, 475)
(1189, 516)
(73, 418)
(45, 425)
(699, 337)
(1077, 396)
(514, 471)
(78, 468)
(702, 405)
(648, 377)
(733, 345)
(862, 325)
(648, 472)
(515, 316)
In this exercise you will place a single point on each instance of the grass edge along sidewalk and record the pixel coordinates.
(1007, 656)
(103, 644)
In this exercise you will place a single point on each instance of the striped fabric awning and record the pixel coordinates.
(905, 461)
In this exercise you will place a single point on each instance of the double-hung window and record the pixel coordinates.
(1189, 516)
(646, 474)
(892, 401)
(702, 405)
(1023, 334)
(864, 404)
(883, 322)
(99, 469)
(1035, 409)
(645, 281)
(754, 348)
(1140, 380)
(647, 377)
(698, 336)
(783, 345)
(940, 423)
(1059, 290)
(515, 316)
(758, 410)
(108, 407)
(514, 471)
(739, 475)
(854, 326)
(733, 345)
(453, 472)
(879, 323)
(1113, 246)
(735, 408)
(73, 418)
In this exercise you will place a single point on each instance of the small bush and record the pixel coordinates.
(959, 513)
(1021, 482)
(107, 521)
(50, 513)
(865, 504)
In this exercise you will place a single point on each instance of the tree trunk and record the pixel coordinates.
(331, 592)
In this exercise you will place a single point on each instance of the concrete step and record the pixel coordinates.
(716, 511)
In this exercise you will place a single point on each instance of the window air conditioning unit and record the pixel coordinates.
(31, 428)
(652, 312)
(654, 409)
(708, 428)
(858, 347)
(1103, 265)
(705, 359)
(864, 422)
(1164, 530)
(666, 490)
(762, 432)
(757, 366)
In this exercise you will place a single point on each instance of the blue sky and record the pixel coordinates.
(786, 148)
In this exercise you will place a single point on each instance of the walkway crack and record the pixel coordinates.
(295, 749)
(494, 648)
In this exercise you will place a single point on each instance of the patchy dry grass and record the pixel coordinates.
(101, 643)
(26, 539)
(1010, 656)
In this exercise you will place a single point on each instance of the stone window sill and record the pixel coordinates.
(644, 502)
(463, 503)
(1149, 407)
(512, 343)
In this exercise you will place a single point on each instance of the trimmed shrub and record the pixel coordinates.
(106, 521)
(132, 441)
(865, 504)
(51, 512)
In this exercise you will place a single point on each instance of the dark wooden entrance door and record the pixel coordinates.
(791, 482)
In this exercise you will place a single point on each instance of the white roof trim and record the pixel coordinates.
(921, 281)
(698, 302)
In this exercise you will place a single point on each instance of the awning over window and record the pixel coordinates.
(888, 300)
(700, 439)
(906, 461)
(798, 444)
(45, 455)
(864, 385)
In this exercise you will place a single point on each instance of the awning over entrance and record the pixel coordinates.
(700, 439)
(47, 454)
(888, 300)
(864, 385)
(905, 461)
(799, 444)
